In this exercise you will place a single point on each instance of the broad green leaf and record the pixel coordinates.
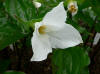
(49, 1)
(13, 72)
(9, 31)
(26, 10)
(70, 61)
(83, 4)
(84, 71)
(21, 8)
(97, 27)
(96, 6)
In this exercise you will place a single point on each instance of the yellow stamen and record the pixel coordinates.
(42, 29)
(72, 9)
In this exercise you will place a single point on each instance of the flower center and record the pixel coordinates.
(72, 9)
(42, 29)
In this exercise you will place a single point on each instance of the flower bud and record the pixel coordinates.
(72, 7)
(37, 4)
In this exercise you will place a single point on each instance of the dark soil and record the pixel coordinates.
(94, 67)
(21, 62)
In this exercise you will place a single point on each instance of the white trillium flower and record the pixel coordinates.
(11, 47)
(37, 4)
(73, 8)
(53, 32)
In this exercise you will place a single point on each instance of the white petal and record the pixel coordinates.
(75, 2)
(66, 37)
(56, 16)
(96, 39)
(40, 45)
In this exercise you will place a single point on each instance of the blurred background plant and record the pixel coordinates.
(16, 27)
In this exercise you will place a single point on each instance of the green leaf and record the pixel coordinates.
(21, 8)
(13, 72)
(85, 17)
(96, 6)
(9, 31)
(84, 71)
(97, 27)
(70, 61)
(83, 4)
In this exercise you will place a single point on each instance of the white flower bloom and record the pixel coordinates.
(53, 32)
(37, 4)
(72, 7)
(96, 39)
(11, 47)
